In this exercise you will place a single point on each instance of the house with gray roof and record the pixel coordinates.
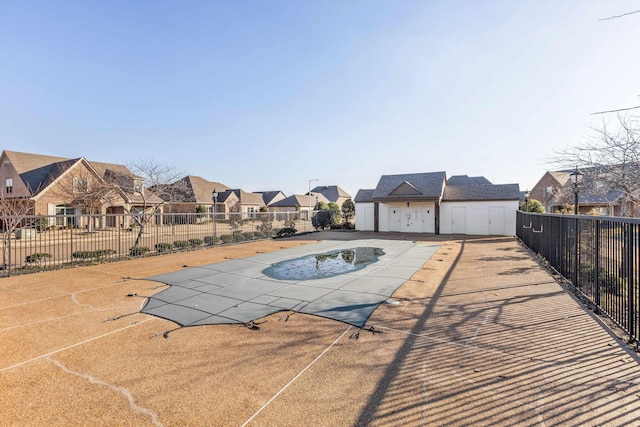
(332, 193)
(237, 200)
(303, 204)
(429, 203)
(270, 197)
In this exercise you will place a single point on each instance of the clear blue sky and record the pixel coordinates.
(266, 95)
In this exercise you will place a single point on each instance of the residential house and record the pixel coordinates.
(193, 194)
(270, 197)
(426, 203)
(554, 190)
(69, 187)
(237, 200)
(332, 193)
(303, 204)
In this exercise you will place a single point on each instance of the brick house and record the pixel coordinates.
(68, 188)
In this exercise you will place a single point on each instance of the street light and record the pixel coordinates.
(576, 179)
(214, 195)
(527, 193)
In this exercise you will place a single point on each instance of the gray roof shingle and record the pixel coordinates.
(468, 180)
(481, 192)
(410, 186)
(364, 196)
(331, 192)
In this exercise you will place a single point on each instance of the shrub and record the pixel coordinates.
(101, 253)
(163, 247)
(195, 242)
(37, 257)
(226, 238)
(97, 254)
(138, 250)
(239, 237)
(42, 224)
(249, 235)
(211, 240)
(321, 220)
(181, 244)
(82, 254)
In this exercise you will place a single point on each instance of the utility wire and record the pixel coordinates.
(619, 16)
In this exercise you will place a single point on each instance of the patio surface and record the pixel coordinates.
(480, 334)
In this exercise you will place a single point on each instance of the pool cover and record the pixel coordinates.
(238, 291)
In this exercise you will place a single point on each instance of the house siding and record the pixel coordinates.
(393, 217)
(364, 217)
(477, 217)
(538, 192)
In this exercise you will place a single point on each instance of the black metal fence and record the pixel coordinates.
(599, 255)
(35, 243)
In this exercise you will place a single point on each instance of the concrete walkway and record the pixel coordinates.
(500, 342)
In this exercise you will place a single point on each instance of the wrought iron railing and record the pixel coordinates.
(599, 255)
(34, 243)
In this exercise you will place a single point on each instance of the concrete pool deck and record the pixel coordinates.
(482, 335)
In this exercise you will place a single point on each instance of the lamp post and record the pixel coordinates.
(309, 193)
(214, 196)
(576, 179)
(527, 193)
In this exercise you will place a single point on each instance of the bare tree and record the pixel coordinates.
(15, 214)
(85, 190)
(611, 160)
(152, 187)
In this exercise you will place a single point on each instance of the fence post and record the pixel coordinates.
(596, 267)
(576, 252)
(631, 313)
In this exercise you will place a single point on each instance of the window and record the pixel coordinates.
(65, 216)
(548, 190)
(9, 185)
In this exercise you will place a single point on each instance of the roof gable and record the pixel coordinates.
(405, 189)
(425, 186)
(269, 197)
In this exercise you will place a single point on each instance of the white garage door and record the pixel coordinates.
(368, 218)
(496, 221)
(459, 220)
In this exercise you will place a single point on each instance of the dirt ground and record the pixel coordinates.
(480, 336)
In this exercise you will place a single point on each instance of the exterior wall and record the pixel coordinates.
(418, 217)
(364, 217)
(18, 189)
(478, 217)
(539, 193)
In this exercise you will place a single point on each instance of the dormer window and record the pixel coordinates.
(9, 185)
